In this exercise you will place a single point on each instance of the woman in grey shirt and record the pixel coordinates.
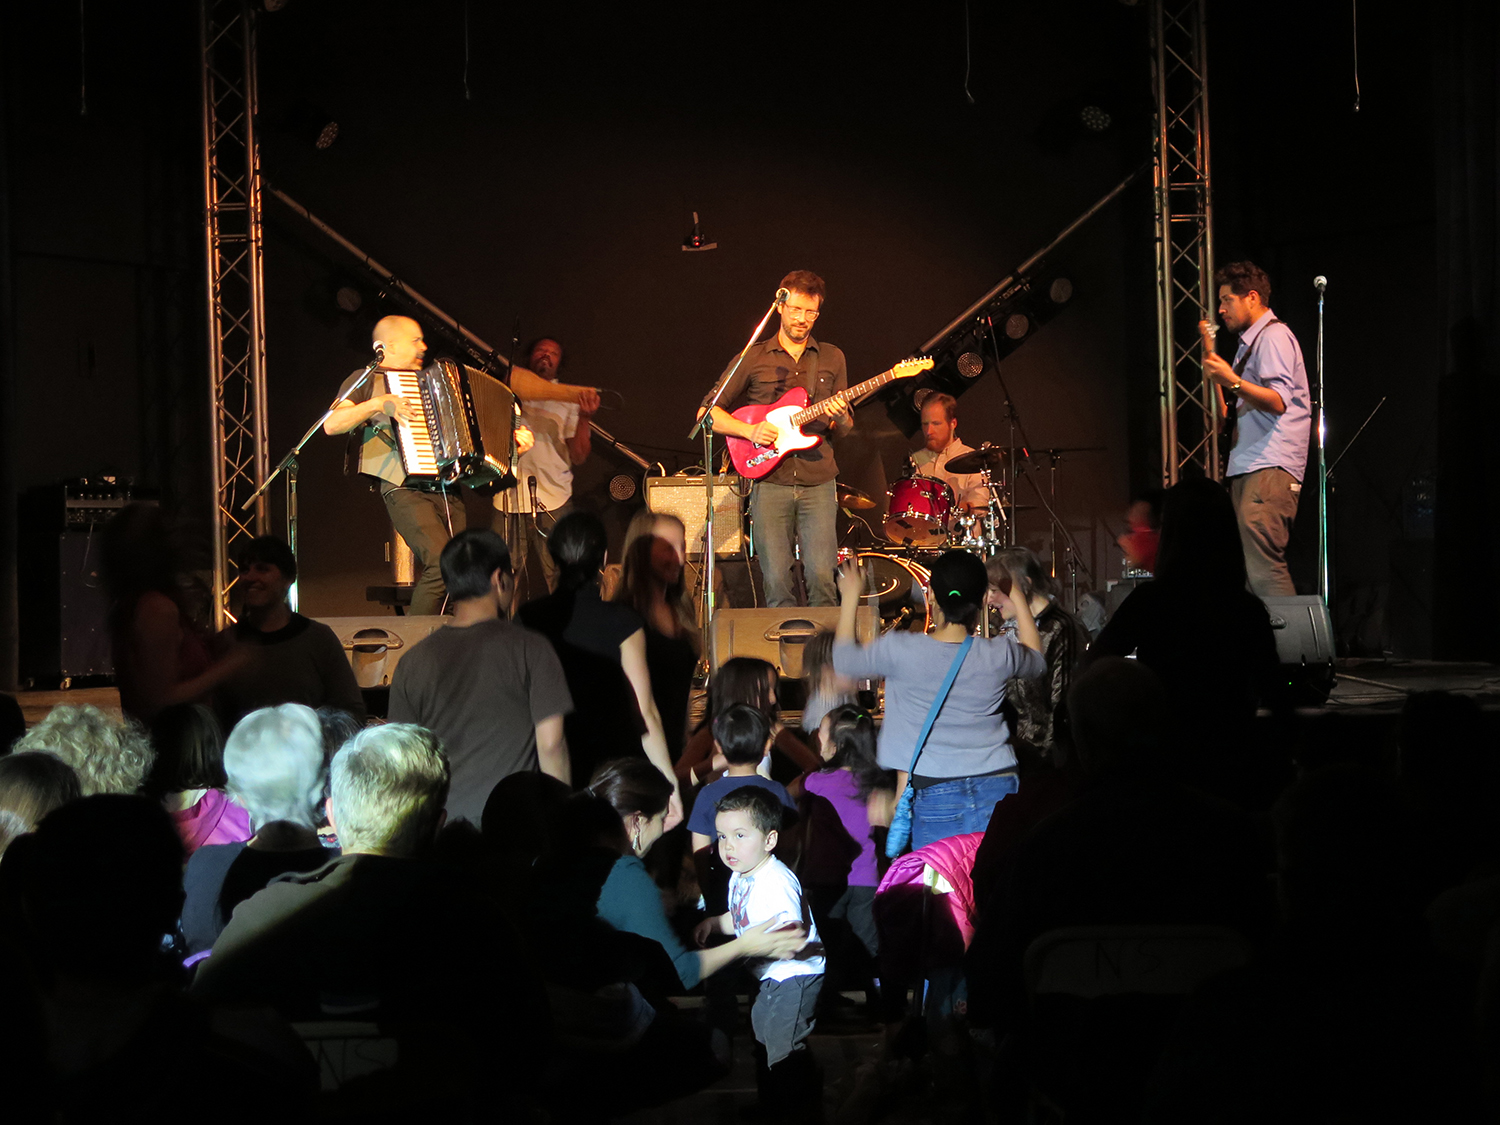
(967, 764)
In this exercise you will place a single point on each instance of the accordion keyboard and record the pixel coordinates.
(414, 437)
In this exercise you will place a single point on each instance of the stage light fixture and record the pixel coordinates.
(622, 487)
(311, 124)
(971, 365)
(348, 298)
(1060, 292)
(695, 239)
(1017, 325)
(1095, 119)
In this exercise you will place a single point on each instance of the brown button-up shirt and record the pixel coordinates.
(768, 373)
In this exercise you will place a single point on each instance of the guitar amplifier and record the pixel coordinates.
(683, 497)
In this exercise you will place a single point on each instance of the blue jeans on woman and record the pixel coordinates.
(953, 808)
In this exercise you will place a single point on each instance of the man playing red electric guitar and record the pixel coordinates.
(796, 504)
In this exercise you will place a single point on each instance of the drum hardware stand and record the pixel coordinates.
(1012, 422)
(705, 426)
(288, 465)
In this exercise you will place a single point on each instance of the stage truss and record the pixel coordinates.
(1190, 423)
(236, 293)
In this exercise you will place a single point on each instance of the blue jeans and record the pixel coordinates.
(784, 515)
(953, 808)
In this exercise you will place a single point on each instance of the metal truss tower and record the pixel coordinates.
(1190, 423)
(236, 292)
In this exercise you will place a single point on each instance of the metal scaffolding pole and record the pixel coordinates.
(236, 291)
(1190, 423)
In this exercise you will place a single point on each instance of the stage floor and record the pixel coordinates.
(1363, 686)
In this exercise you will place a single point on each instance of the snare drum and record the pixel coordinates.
(919, 512)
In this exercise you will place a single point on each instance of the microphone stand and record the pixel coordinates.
(1013, 419)
(705, 425)
(1011, 422)
(288, 465)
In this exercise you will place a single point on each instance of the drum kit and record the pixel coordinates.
(922, 521)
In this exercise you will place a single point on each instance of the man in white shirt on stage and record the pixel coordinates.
(524, 517)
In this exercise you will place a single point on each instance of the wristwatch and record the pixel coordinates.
(1236, 387)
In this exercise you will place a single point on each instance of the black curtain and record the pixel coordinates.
(1467, 543)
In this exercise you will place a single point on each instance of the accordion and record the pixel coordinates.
(465, 430)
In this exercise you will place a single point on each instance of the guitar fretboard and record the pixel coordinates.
(819, 409)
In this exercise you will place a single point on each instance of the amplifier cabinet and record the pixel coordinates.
(683, 497)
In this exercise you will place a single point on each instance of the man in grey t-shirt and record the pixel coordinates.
(492, 691)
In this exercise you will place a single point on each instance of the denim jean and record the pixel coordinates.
(782, 515)
(953, 808)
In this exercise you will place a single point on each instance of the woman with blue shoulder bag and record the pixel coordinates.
(943, 733)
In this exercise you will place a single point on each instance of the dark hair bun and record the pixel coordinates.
(959, 582)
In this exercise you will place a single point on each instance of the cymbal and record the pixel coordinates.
(1058, 450)
(853, 499)
(985, 457)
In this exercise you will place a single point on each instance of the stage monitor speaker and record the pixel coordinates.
(375, 645)
(778, 635)
(683, 497)
(1304, 643)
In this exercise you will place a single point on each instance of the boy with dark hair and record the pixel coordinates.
(743, 735)
(761, 889)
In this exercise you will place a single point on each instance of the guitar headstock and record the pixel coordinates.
(913, 366)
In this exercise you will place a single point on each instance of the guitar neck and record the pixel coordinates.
(819, 409)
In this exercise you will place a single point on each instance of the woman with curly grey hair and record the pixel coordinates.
(110, 755)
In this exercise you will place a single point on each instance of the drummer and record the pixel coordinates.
(941, 444)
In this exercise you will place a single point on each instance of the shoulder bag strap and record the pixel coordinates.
(942, 696)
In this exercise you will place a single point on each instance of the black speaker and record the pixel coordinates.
(63, 605)
(64, 610)
(1304, 642)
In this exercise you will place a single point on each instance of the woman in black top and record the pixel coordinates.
(602, 648)
(1038, 702)
(652, 583)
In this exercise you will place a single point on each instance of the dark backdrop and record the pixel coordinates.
(541, 172)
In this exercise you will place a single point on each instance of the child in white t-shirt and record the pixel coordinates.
(762, 888)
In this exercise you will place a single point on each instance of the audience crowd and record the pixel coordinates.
(1088, 879)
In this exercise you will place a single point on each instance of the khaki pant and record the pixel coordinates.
(1265, 504)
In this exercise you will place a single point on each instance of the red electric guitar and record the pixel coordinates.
(790, 413)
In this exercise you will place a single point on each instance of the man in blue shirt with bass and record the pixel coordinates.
(1267, 388)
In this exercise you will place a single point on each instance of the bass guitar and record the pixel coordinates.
(790, 413)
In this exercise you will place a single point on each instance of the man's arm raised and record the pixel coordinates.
(529, 386)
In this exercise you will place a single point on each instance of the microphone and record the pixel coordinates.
(379, 350)
(531, 487)
(1320, 283)
(782, 294)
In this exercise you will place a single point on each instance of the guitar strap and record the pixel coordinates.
(1231, 423)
